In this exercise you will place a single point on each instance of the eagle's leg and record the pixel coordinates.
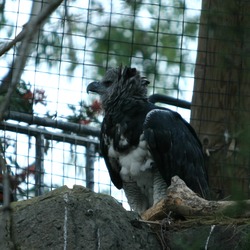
(159, 187)
(136, 199)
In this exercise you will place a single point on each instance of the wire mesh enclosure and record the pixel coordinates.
(51, 50)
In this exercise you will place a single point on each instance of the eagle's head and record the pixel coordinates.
(119, 84)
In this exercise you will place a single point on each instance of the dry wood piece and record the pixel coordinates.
(183, 201)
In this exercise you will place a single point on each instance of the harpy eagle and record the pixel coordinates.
(144, 145)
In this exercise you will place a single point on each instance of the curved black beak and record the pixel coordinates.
(93, 87)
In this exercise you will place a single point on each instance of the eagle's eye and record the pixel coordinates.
(107, 83)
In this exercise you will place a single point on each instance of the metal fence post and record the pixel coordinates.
(90, 159)
(39, 165)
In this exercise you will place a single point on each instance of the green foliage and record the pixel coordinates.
(154, 44)
(24, 99)
(5, 23)
(245, 242)
(241, 207)
(85, 114)
(148, 35)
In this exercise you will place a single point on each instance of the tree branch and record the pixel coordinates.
(26, 35)
(184, 202)
(34, 24)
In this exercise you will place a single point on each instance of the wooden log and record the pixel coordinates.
(182, 201)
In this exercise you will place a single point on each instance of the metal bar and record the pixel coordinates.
(47, 122)
(170, 101)
(39, 165)
(90, 159)
(74, 139)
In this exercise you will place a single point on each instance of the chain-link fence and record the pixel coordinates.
(51, 50)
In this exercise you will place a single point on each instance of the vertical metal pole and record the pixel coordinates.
(90, 159)
(5, 182)
(6, 240)
(39, 165)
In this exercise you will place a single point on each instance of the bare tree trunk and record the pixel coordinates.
(221, 104)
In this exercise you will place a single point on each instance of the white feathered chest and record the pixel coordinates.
(138, 174)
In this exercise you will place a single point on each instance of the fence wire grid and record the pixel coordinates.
(74, 46)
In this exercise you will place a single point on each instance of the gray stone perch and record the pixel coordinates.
(73, 219)
(81, 219)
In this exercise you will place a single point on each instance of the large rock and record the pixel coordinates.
(73, 219)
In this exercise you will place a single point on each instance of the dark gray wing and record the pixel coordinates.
(112, 163)
(176, 149)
